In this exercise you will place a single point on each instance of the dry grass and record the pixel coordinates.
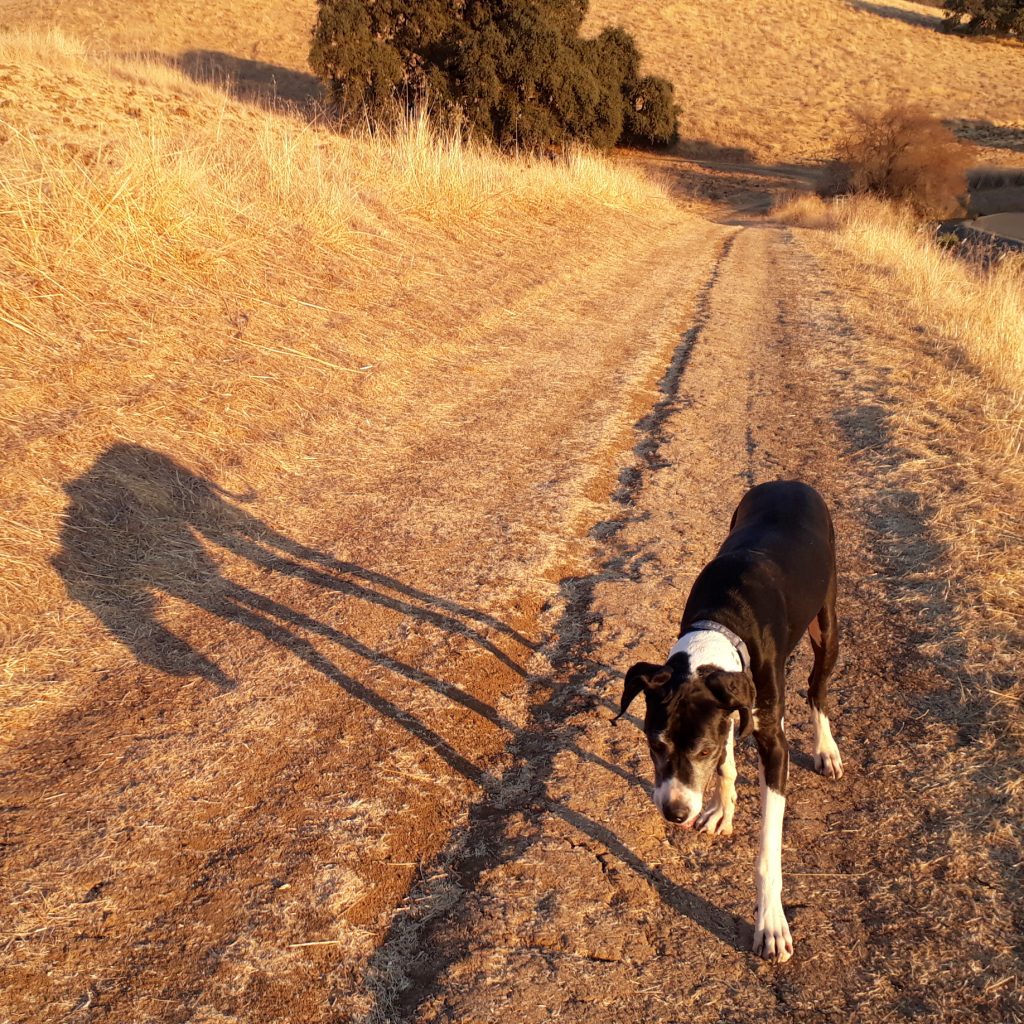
(204, 235)
(979, 310)
(263, 47)
(959, 451)
(208, 270)
(804, 210)
(778, 79)
(950, 331)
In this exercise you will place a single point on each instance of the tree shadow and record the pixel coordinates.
(986, 133)
(250, 79)
(716, 175)
(705, 149)
(932, 21)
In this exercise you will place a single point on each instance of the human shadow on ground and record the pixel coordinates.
(133, 535)
(425, 936)
(133, 531)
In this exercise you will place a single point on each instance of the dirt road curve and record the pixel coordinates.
(363, 770)
(568, 898)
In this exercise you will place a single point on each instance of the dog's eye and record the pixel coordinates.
(658, 747)
(704, 752)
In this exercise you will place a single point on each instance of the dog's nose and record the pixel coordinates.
(676, 813)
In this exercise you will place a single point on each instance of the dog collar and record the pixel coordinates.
(689, 643)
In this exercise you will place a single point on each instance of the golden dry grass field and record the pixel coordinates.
(260, 382)
(777, 79)
(772, 79)
(344, 475)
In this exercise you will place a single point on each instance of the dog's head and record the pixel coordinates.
(687, 725)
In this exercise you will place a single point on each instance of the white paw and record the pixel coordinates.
(827, 762)
(772, 939)
(716, 818)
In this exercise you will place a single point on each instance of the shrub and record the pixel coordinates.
(515, 71)
(1005, 17)
(904, 154)
(651, 112)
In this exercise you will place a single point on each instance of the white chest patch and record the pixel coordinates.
(706, 647)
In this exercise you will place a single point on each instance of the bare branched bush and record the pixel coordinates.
(905, 154)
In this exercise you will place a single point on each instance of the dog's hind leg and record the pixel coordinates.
(824, 636)
(716, 818)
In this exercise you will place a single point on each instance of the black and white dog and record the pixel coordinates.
(772, 579)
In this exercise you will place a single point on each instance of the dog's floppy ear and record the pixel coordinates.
(735, 692)
(642, 676)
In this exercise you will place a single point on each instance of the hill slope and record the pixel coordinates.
(771, 79)
(344, 477)
(777, 79)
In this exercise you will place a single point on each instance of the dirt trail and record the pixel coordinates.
(389, 789)
(273, 720)
(566, 897)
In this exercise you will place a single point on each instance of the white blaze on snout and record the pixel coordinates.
(702, 647)
(684, 800)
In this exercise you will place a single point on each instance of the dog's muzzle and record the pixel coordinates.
(678, 803)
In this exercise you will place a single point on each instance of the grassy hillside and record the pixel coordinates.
(772, 79)
(776, 79)
(262, 46)
(187, 268)
(976, 309)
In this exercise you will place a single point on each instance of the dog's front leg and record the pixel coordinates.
(716, 818)
(772, 938)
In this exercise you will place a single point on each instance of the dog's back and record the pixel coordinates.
(781, 541)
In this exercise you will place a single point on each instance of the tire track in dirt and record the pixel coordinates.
(418, 949)
(568, 897)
